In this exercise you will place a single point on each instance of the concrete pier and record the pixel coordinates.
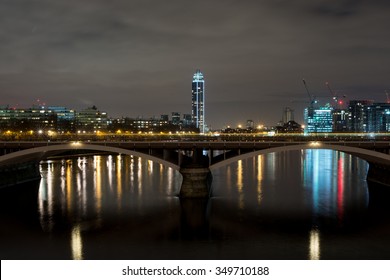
(196, 182)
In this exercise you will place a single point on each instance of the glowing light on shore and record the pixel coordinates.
(315, 144)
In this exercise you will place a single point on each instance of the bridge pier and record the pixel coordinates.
(196, 175)
(196, 182)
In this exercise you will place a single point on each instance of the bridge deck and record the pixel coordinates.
(188, 145)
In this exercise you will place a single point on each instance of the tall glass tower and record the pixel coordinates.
(198, 116)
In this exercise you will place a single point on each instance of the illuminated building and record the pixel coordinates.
(65, 118)
(91, 119)
(340, 120)
(318, 120)
(175, 118)
(198, 100)
(27, 119)
(358, 115)
(378, 117)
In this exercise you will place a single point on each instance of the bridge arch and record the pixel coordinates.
(40, 153)
(368, 155)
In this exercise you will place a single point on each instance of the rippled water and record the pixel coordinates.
(309, 204)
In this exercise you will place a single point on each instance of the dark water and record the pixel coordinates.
(312, 204)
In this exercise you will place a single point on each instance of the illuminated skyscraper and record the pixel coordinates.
(198, 112)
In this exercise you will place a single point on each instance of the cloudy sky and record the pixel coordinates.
(137, 57)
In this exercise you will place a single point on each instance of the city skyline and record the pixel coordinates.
(136, 58)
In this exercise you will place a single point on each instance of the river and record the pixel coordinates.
(309, 204)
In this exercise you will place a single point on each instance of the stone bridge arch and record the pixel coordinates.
(372, 157)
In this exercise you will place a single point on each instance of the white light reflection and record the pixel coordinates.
(119, 180)
(170, 179)
(84, 184)
(45, 200)
(132, 171)
(314, 246)
(240, 185)
(98, 185)
(50, 195)
(139, 176)
(110, 164)
(150, 168)
(76, 243)
(69, 189)
(260, 159)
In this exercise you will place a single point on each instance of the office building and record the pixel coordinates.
(65, 118)
(198, 101)
(91, 119)
(318, 120)
(340, 120)
(175, 118)
(358, 115)
(378, 117)
(27, 119)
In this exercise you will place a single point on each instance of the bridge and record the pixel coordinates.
(193, 159)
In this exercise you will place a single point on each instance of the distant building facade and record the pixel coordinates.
(340, 120)
(318, 120)
(378, 117)
(27, 119)
(288, 115)
(65, 118)
(91, 119)
(358, 115)
(187, 120)
(176, 118)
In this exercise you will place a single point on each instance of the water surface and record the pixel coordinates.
(309, 204)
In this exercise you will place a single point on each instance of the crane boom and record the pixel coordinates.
(308, 93)
(334, 96)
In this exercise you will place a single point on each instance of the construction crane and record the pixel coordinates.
(387, 97)
(311, 97)
(335, 97)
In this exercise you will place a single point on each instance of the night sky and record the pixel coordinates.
(137, 57)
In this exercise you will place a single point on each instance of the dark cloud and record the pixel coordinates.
(137, 57)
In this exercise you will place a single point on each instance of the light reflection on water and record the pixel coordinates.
(125, 194)
(76, 243)
(314, 246)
